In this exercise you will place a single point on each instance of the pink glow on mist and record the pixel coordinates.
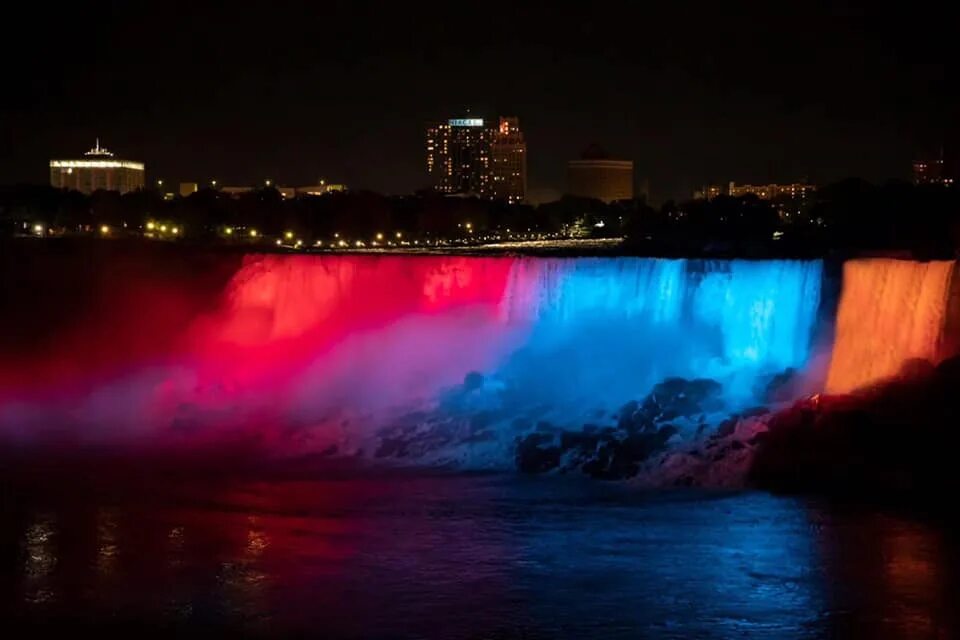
(293, 342)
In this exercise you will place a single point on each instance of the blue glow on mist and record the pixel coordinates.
(606, 330)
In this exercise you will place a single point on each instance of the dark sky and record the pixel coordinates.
(292, 91)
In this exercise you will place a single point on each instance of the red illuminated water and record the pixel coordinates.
(287, 340)
(304, 353)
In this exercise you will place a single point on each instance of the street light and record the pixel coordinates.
(288, 235)
(253, 233)
(104, 229)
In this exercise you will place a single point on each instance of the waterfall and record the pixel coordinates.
(890, 311)
(298, 342)
(607, 329)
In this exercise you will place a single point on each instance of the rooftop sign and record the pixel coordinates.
(466, 122)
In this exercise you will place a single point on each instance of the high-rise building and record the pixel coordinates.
(596, 175)
(469, 156)
(508, 152)
(98, 169)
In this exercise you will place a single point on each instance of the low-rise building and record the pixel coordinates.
(98, 170)
(596, 175)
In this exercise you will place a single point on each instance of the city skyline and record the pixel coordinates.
(687, 100)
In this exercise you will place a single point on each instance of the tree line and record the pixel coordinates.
(851, 214)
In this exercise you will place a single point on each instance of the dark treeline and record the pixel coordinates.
(850, 215)
(847, 216)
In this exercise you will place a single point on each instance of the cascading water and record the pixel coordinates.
(308, 351)
(890, 311)
(606, 330)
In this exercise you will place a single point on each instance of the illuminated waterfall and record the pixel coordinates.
(607, 329)
(299, 342)
(890, 311)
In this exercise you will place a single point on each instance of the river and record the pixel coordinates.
(415, 555)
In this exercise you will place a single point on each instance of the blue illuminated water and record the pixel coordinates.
(317, 353)
(604, 331)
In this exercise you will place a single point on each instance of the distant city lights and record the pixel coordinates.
(380, 241)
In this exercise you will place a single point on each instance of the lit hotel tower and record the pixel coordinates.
(468, 156)
(98, 169)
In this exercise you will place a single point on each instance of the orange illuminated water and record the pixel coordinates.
(890, 311)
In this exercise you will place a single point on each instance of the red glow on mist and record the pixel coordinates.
(285, 341)
(282, 312)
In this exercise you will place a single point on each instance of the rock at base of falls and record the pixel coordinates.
(674, 409)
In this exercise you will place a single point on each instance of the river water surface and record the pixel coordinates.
(464, 556)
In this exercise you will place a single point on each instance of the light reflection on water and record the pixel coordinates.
(40, 560)
(475, 557)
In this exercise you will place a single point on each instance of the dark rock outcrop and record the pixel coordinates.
(779, 388)
(536, 453)
(642, 430)
(898, 438)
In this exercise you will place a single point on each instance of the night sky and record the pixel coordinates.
(295, 91)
